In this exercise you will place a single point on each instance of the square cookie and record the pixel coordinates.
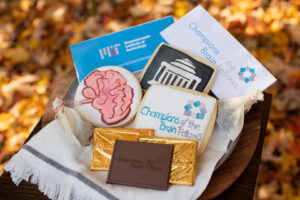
(172, 66)
(179, 113)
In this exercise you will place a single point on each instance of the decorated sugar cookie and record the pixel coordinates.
(108, 97)
(171, 66)
(178, 112)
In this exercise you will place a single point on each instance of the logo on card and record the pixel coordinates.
(109, 51)
(195, 109)
(247, 74)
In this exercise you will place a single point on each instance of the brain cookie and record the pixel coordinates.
(108, 96)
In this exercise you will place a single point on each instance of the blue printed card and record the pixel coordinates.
(130, 48)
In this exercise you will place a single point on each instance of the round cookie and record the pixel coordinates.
(108, 97)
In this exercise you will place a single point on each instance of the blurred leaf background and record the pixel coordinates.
(34, 50)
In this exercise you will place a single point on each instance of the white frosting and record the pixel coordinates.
(92, 115)
(185, 64)
(169, 103)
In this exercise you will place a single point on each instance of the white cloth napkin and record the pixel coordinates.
(60, 165)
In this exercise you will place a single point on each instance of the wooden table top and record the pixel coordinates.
(239, 184)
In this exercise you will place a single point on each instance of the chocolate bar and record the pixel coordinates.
(104, 140)
(141, 164)
(184, 158)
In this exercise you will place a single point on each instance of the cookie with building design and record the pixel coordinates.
(191, 116)
(172, 66)
(108, 97)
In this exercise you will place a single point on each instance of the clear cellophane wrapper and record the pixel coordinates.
(104, 140)
(184, 158)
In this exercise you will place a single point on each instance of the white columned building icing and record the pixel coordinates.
(178, 73)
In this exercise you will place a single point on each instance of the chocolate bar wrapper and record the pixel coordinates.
(104, 140)
(184, 158)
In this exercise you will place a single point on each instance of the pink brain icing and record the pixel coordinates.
(108, 93)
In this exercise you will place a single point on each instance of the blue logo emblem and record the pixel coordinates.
(247, 74)
(195, 109)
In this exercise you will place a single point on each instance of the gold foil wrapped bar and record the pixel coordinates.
(104, 140)
(184, 158)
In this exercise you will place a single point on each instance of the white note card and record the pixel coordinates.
(239, 73)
